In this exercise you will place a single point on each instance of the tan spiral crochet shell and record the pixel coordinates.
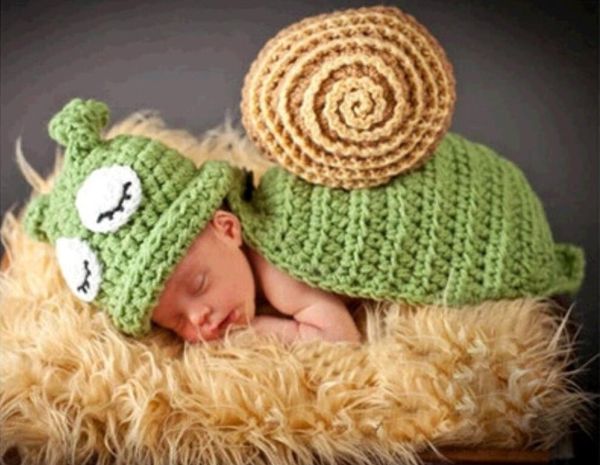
(349, 99)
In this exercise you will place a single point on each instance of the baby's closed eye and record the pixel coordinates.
(198, 284)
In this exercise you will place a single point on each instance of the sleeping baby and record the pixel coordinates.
(216, 284)
(141, 237)
(146, 235)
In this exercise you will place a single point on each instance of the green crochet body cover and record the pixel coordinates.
(464, 228)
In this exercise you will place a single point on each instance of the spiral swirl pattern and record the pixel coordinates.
(349, 99)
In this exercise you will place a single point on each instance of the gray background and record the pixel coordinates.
(527, 75)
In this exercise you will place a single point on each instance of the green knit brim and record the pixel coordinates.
(133, 301)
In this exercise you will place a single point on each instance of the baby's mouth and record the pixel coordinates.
(229, 318)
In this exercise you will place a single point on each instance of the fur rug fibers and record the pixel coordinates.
(74, 390)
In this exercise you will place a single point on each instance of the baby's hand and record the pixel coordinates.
(320, 320)
(316, 314)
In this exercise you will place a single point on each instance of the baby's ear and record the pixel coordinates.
(34, 218)
(227, 225)
(79, 124)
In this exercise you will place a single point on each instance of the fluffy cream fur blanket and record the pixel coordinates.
(73, 389)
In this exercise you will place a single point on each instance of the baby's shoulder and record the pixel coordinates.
(280, 289)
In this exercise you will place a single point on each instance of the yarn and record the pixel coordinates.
(122, 213)
(464, 228)
(349, 99)
(79, 124)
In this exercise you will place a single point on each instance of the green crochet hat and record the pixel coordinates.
(122, 212)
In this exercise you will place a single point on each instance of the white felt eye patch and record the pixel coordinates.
(108, 198)
(79, 267)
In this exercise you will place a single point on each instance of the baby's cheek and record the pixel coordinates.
(189, 333)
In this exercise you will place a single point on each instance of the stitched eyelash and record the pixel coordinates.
(85, 286)
(124, 196)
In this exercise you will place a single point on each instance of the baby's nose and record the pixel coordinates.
(199, 316)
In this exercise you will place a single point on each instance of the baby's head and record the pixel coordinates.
(212, 288)
(124, 217)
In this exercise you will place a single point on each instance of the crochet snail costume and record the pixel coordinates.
(463, 224)
(361, 100)
(373, 198)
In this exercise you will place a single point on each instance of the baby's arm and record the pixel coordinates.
(316, 314)
(319, 320)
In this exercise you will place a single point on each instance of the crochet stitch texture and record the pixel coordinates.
(137, 256)
(464, 228)
(350, 98)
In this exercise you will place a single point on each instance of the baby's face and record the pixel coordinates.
(212, 287)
